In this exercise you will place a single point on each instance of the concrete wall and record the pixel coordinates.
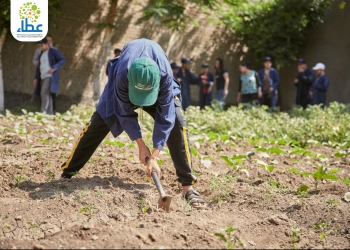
(79, 40)
(329, 43)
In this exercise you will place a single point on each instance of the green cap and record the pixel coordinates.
(144, 78)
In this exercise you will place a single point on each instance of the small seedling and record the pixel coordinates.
(231, 239)
(50, 175)
(323, 228)
(88, 209)
(19, 179)
(295, 236)
(142, 205)
(332, 202)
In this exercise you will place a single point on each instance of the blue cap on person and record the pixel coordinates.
(144, 79)
(174, 65)
(185, 60)
(267, 59)
(301, 61)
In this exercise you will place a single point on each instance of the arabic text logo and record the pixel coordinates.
(29, 12)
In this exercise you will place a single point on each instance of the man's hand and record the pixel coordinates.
(210, 89)
(179, 79)
(260, 93)
(51, 71)
(271, 89)
(35, 81)
(152, 165)
(296, 81)
(311, 95)
(144, 151)
(225, 92)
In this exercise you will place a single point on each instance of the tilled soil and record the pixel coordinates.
(112, 203)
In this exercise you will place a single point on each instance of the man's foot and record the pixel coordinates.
(65, 176)
(194, 199)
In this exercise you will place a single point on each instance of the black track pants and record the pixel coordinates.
(96, 130)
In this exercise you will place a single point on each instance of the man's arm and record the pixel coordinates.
(258, 84)
(165, 113)
(36, 57)
(322, 84)
(227, 81)
(60, 61)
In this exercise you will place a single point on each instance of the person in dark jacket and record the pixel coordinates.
(249, 88)
(46, 80)
(303, 83)
(140, 78)
(186, 78)
(206, 81)
(221, 82)
(175, 68)
(270, 81)
(318, 90)
(117, 53)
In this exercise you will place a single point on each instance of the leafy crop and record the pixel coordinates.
(231, 239)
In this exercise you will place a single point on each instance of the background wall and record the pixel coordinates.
(79, 39)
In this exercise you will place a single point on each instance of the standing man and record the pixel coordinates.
(46, 80)
(36, 62)
(206, 81)
(303, 83)
(117, 53)
(140, 78)
(270, 80)
(318, 90)
(175, 68)
(38, 50)
(186, 78)
(222, 81)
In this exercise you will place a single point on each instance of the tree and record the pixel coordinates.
(4, 26)
(54, 11)
(276, 28)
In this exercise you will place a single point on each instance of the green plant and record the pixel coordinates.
(19, 179)
(88, 209)
(323, 228)
(332, 202)
(142, 204)
(323, 173)
(50, 175)
(231, 239)
(295, 236)
(221, 186)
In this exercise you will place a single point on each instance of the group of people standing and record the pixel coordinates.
(206, 81)
(255, 87)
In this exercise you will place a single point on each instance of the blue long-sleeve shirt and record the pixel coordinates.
(319, 89)
(56, 61)
(115, 107)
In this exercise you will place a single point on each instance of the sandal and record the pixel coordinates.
(192, 196)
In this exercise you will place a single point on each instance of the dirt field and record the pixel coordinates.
(112, 204)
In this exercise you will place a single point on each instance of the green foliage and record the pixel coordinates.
(295, 236)
(172, 14)
(231, 239)
(346, 181)
(88, 209)
(277, 28)
(298, 128)
(115, 143)
(19, 179)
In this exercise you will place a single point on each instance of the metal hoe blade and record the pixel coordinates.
(164, 202)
